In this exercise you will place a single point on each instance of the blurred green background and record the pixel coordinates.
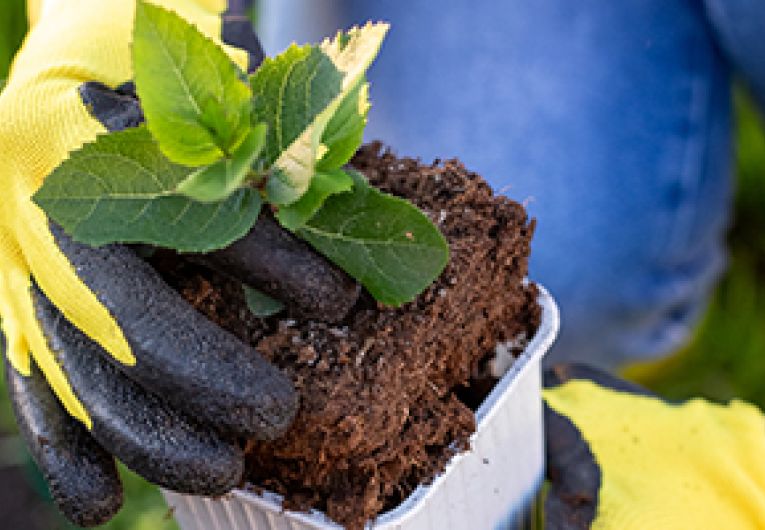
(726, 359)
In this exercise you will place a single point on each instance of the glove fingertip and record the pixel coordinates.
(574, 474)
(82, 477)
(90, 502)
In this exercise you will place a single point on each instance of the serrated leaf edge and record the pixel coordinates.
(300, 157)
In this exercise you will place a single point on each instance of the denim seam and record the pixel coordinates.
(694, 159)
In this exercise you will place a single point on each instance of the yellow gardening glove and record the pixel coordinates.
(151, 381)
(70, 42)
(656, 465)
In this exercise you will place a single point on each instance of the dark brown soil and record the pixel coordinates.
(380, 411)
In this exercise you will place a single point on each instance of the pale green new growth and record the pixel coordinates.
(345, 131)
(298, 93)
(192, 94)
(122, 189)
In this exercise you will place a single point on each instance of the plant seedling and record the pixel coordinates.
(218, 144)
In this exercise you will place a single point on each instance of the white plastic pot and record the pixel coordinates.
(490, 487)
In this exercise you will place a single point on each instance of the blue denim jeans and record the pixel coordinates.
(611, 120)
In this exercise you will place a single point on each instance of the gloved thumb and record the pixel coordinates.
(667, 466)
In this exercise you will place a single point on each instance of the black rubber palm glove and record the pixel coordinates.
(175, 416)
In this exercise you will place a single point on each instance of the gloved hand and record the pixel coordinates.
(622, 459)
(150, 380)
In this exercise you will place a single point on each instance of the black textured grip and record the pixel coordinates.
(574, 476)
(269, 258)
(152, 438)
(237, 31)
(182, 355)
(82, 476)
(276, 262)
(116, 110)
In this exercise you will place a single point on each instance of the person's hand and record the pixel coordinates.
(620, 459)
(94, 334)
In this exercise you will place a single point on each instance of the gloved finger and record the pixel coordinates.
(268, 258)
(276, 262)
(82, 476)
(561, 373)
(180, 354)
(19, 310)
(573, 473)
(237, 31)
(159, 443)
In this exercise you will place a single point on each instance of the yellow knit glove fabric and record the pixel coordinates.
(41, 120)
(664, 467)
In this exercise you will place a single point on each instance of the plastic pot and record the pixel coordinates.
(490, 487)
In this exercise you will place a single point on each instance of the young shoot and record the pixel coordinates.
(218, 144)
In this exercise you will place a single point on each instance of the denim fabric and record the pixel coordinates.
(739, 25)
(612, 120)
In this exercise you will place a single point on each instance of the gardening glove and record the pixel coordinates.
(620, 458)
(150, 380)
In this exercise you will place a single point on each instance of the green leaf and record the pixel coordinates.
(260, 304)
(291, 91)
(384, 242)
(194, 98)
(121, 189)
(298, 93)
(217, 181)
(323, 185)
(345, 131)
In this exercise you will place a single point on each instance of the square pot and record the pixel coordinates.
(490, 487)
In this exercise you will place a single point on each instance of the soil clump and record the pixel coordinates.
(380, 392)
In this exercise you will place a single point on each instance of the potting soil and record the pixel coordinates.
(380, 392)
